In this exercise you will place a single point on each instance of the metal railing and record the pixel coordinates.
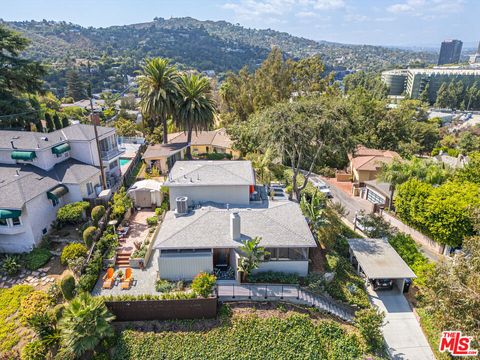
(110, 154)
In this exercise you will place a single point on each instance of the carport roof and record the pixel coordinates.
(379, 260)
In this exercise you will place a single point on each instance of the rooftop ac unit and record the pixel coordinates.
(182, 206)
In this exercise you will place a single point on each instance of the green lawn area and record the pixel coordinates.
(246, 336)
(10, 327)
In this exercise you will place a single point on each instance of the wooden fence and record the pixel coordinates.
(140, 310)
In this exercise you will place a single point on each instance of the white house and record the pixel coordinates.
(206, 236)
(40, 172)
(222, 182)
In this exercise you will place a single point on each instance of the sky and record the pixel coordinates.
(376, 22)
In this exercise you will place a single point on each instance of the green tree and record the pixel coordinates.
(195, 108)
(367, 81)
(157, 87)
(442, 96)
(49, 122)
(75, 87)
(57, 122)
(469, 142)
(125, 127)
(410, 199)
(471, 171)
(65, 122)
(84, 323)
(19, 78)
(425, 94)
(369, 323)
(251, 255)
(262, 163)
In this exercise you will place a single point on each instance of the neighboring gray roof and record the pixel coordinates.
(27, 140)
(209, 172)
(31, 181)
(383, 187)
(379, 260)
(163, 150)
(280, 225)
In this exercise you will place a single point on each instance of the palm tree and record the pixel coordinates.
(262, 164)
(85, 322)
(315, 211)
(195, 108)
(157, 87)
(251, 254)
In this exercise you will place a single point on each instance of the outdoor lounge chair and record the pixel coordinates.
(127, 279)
(108, 279)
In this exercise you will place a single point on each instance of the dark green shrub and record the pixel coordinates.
(203, 284)
(97, 213)
(88, 235)
(72, 213)
(11, 265)
(68, 287)
(106, 242)
(34, 350)
(72, 252)
(37, 258)
(369, 323)
(164, 286)
(152, 221)
(43, 324)
(87, 282)
(273, 277)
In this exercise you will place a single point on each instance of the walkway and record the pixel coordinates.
(402, 332)
(289, 293)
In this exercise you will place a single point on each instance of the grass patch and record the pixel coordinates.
(9, 316)
(249, 337)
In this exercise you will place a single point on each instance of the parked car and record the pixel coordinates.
(324, 189)
(382, 284)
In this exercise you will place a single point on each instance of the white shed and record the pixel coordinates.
(146, 193)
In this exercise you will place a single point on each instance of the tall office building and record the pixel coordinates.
(450, 52)
(478, 50)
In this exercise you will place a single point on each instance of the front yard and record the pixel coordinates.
(243, 331)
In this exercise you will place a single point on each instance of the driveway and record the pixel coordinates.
(351, 204)
(402, 332)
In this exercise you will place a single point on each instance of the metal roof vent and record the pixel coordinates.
(181, 205)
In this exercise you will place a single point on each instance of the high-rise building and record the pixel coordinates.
(450, 52)
(478, 49)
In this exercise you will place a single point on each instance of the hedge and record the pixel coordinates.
(37, 258)
(72, 252)
(72, 213)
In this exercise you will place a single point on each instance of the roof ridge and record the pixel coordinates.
(241, 177)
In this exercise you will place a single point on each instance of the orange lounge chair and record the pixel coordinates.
(127, 279)
(108, 279)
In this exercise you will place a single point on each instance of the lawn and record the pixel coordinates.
(11, 330)
(247, 334)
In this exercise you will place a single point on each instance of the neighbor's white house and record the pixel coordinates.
(213, 211)
(40, 172)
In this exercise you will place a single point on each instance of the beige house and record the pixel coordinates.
(163, 156)
(365, 163)
(206, 142)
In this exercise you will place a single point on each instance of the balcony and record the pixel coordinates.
(110, 154)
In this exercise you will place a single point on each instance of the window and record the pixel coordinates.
(283, 253)
(16, 221)
(3, 222)
(295, 254)
(89, 188)
(113, 165)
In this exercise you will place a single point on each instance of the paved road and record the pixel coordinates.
(402, 332)
(351, 204)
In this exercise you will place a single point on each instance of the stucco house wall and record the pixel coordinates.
(224, 194)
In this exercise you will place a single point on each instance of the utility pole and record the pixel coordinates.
(94, 120)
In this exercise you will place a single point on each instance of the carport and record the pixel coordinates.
(377, 259)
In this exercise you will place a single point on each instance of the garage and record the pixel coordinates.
(379, 263)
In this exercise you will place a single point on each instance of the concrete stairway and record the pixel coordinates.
(325, 304)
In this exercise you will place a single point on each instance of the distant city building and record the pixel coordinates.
(475, 58)
(416, 80)
(450, 52)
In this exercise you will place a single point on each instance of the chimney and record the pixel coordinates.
(235, 226)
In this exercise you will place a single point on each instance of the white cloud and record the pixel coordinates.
(305, 14)
(329, 4)
(427, 9)
(356, 17)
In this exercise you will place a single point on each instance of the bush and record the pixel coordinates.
(152, 221)
(107, 241)
(11, 265)
(203, 284)
(34, 350)
(72, 252)
(37, 258)
(159, 211)
(121, 203)
(97, 213)
(89, 279)
(273, 277)
(43, 324)
(164, 286)
(369, 323)
(68, 287)
(72, 213)
(37, 302)
(88, 235)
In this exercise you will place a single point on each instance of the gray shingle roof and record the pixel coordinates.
(207, 172)
(163, 150)
(280, 225)
(27, 140)
(31, 181)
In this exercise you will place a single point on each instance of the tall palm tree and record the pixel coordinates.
(85, 322)
(195, 107)
(157, 87)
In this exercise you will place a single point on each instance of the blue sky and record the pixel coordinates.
(386, 22)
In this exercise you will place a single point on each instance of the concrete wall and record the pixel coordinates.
(184, 266)
(287, 266)
(239, 195)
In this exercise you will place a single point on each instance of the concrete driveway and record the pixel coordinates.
(402, 332)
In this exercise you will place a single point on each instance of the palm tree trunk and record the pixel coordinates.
(165, 130)
(189, 140)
